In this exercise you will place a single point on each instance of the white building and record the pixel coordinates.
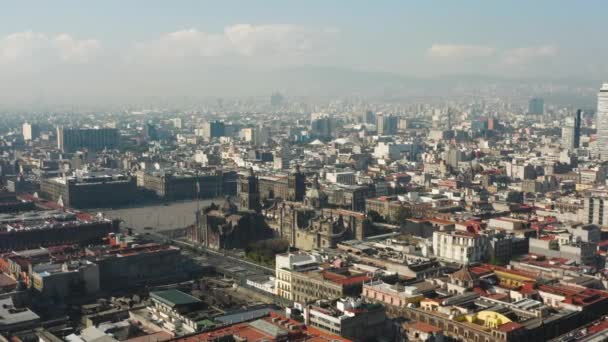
(175, 311)
(341, 177)
(602, 122)
(263, 283)
(349, 317)
(586, 233)
(177, 123)
(392, 151)
(30, 131)
(568, 134)
(247, 134)
(461, 247)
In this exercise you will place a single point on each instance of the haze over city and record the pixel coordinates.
(62, 53)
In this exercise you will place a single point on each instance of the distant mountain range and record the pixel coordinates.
(175, 83)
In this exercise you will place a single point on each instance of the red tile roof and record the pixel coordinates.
(597, 328)
(576, 295)
(249, 333)
(345, 279)
(421, 326)
(511, 326)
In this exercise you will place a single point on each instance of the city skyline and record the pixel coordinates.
(273, 170)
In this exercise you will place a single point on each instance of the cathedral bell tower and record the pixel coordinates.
(249, 192)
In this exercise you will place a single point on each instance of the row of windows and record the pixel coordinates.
(319, 293)
(454, 329)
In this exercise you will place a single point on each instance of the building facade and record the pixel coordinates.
(461, 247)
(602, 123)
(182, 186)
(326, 284)
(30, 131)
(90, 192)
(95, 139)
(348, 317)
(536, 106)
(287, 263)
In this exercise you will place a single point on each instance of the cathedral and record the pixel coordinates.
(308, 228)
(306, 223)
(230, 226)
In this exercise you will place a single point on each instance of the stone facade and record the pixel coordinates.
(307, 229)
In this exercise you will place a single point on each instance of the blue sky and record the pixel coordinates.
(375, 34)
(514, 21)
(514, 38)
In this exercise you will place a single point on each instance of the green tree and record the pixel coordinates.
(375, 216)
(495, 261)
(401, 215)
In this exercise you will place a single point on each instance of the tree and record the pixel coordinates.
(375, 216)
(402, 214)
(495, 261)
(264, 251)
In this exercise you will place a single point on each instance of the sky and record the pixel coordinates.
(82, 48)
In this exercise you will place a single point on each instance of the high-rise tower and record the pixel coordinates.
(602, 123)
(386, 124)
(536, 106)
(571, 131)
(577, 128)
(30, 131)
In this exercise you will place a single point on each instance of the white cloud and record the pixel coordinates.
(70, 49)
(31, 47)
(239, 40)
(526, 55)
(459, 51)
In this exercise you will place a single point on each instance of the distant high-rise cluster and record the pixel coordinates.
(321, 125)
(213, 129)
(150, 131)
(369, 117)
(276, 99)
(386, 124)
(536, 106)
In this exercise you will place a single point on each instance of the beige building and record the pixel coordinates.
(287, 263)
(326, 284)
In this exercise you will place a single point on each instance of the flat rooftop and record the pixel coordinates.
(174, 298)
(108, 252)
